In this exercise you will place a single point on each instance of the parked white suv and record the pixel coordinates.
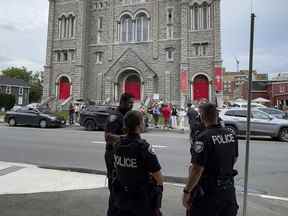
(262, 124)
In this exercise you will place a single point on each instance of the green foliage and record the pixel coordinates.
(19, 73)
(36, 88)
(63, 114)
(7, 101)
(33, 79)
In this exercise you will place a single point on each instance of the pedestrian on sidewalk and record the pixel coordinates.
(166, 113)
(114, 129)
(210, 189)
(174, 116)
(138, 185)
(156, 114)
(71, 114)
(182, 115)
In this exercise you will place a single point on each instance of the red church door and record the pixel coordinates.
(133, 86)
(201, 88)
(64, 89)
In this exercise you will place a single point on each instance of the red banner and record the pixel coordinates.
(184, 79)
(218, 79)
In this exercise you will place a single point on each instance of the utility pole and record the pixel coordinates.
(248, 116)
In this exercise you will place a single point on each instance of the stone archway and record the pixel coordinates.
(132, 85)
(201, 88)
(129, 81)
(64, 88)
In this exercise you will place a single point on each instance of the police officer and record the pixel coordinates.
(138, 185)
(210, 188)
(114, 129)
(194, 121)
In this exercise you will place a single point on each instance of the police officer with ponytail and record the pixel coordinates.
(210, 187)
(138, 184)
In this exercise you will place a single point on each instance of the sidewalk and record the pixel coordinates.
(26, 190)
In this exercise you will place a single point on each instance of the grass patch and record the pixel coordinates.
(2, 113)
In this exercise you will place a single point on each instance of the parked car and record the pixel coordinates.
(94, 117)
(245, 104)
(274, 112)
(33, 117)
(262, 124)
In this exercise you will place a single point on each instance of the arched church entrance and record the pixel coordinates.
(200, 88)
(64, 88)
(132, 85)
(130, 82)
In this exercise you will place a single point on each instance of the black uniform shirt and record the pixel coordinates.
(135, 160)
(114, 125)
(215, 149)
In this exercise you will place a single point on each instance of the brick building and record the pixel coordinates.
(98, 49)
(233, 82)
(276, 91)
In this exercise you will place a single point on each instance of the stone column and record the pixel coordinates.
(155, 30)
(217, 48)
(48, 70)
(80, 86)
(184, 66)
(111, 34)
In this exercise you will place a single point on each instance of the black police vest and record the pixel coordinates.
(221, 154)
(129, 164)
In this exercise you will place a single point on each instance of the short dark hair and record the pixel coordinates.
(209, 111)
(125, 97)
(132, 119)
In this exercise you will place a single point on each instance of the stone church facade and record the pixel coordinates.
(98, 49)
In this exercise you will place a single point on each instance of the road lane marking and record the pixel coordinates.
(159, 146)
(263, 196)
(98, 142)
(10, 169)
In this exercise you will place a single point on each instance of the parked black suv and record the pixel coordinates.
(94, 117)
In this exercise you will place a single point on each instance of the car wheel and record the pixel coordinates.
(231, 129)
(12, 122)
(43, 124)
(90, 125)
(283, 134)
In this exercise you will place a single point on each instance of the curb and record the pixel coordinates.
(168, 179)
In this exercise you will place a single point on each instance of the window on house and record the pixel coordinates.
(100, 23)
(20, 91)
(170, 54)
(204, 49)
(195, 17)
(65, 56)
(205, 16)
(72, 26)
(170, 16)
(58, 57)
(8, 90)
(72, 53)
(197, 49)
(126, 29)
(99, 57)
(142, 27)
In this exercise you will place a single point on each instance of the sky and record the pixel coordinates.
(23, 34)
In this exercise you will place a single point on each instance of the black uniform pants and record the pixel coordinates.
(112, 209)
(223, 203)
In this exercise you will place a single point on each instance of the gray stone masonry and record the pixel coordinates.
(96, 81)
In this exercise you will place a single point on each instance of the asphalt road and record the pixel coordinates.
(73, 147)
